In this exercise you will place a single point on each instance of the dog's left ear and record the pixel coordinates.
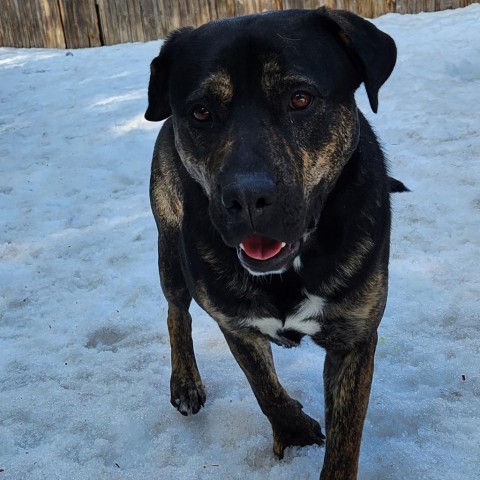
(372, 51)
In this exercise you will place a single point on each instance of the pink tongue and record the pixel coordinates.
(261, 248)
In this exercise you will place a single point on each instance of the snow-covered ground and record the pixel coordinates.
(84, 353)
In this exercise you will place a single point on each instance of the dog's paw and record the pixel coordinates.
(187, 395)
(299, 430)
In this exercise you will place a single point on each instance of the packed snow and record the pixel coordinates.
(84, 350)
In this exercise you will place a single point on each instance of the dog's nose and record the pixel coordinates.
(249, 196)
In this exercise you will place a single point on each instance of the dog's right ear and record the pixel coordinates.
(158, 94)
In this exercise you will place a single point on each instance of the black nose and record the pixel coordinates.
(248, 196)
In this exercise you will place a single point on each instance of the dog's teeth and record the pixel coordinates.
(283, 244)
(242, 247)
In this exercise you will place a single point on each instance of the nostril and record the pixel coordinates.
(261, 203)
(230, 200)
(235, 206)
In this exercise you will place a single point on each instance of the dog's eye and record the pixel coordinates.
(300, 100)
(200, 113)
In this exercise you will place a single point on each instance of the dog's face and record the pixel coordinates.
(265, 119)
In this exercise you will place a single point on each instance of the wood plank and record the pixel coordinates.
(149, 18)
(401, 6)
(9, 25)
(224, 9)
(120, 22)
(113, 15)
(83, 23)
(80, 23)
(245, 7)
(27, 25)
(294, 4)
(136, 20)
(32, 23)
(50, 22)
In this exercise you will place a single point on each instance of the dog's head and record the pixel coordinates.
(265, 119)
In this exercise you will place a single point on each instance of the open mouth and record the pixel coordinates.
(262, 255)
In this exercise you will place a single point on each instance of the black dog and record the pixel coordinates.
(271, 197)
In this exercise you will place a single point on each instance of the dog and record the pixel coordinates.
(271, 197)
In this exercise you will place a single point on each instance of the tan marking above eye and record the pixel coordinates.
(201, 113)
(220, 85)
(300, 100)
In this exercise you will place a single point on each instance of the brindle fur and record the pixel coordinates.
(329, 188)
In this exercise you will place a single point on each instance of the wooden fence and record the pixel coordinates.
(91, 23)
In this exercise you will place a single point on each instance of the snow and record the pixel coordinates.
(84, 362)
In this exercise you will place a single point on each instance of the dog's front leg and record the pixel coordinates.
(186, 388)
(347, 381)
(290, 425)
(187, 393)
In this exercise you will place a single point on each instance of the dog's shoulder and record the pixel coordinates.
(167, 180)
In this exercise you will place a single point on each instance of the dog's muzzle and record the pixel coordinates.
(254, 219)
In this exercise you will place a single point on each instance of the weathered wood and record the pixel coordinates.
(115, 21)
(288, 4)
(80, 24)
(31, 23)
(148, 15)
(87, 23)
(224, 9)
(365, 8)
(9, 25)
(416, 6)
(245, 7)
(47, 29)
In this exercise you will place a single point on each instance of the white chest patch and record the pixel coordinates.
(297, 264)
(304, 319)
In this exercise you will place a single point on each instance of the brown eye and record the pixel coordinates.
(201, 113)
(300, 100)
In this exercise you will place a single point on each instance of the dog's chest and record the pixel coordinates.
(303, 319)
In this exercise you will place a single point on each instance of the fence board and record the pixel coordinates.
(115, 21)
(244, 7)
(9, 26)
(80, 23)
(287, 4)
(225, 9)
(31, 23)
(87, 23)
(366, 8)
(415, 6)
(148, 15)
